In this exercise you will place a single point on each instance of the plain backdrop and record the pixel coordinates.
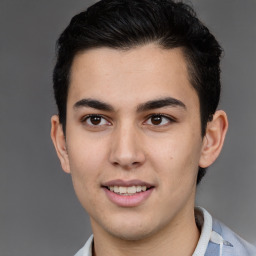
(39, 212)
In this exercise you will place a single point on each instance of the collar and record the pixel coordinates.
(204, 223)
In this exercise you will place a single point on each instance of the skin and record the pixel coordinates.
(128, 144)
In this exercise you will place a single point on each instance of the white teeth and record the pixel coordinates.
(138, 188)
(127, 190)
(131, 190)
(122, 190)
(143, 188)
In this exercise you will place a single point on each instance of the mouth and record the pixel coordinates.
(128, 191)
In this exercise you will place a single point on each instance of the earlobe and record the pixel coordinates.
(58, 139)
(214, 138)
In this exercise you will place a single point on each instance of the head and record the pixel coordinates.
(126, 25)
(137, 86)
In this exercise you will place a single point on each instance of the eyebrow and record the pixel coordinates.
(91, 103)
(161, 103)
(149, 105)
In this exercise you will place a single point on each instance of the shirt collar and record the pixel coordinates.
(204, 223)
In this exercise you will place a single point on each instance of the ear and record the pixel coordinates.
(58, 139)
(214, 138)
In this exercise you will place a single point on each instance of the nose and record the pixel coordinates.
(126, 149)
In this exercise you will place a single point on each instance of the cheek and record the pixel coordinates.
(84, 173)
(86, 161)
(177, 158)
(85, 154)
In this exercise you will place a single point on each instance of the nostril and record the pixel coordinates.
(127, 166)
(115, 164)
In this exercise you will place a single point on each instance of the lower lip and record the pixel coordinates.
(128, 201)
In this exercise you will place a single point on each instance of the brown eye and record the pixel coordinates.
(95, 120)
(156, 120)
(159, 120)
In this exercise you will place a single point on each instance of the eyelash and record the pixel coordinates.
(87, 117)
(170, 119)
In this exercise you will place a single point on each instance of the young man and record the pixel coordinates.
(137, 85)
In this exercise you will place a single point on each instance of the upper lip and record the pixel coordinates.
(126, 183)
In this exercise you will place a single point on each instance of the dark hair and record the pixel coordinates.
(124, 24)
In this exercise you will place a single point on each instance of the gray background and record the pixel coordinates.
(39, 213)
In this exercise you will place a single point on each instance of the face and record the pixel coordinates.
(133, 139)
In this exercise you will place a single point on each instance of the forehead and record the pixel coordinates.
(141, 73)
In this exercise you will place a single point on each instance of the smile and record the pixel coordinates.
(127, 191)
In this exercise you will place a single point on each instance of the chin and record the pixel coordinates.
(132, 231)
(133, 235)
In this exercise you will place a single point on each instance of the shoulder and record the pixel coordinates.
(239, 247)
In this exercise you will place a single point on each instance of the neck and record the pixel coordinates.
(178, 238)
